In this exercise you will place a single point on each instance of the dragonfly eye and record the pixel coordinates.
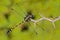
(29, 16)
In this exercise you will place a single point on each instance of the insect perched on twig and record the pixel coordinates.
(23, 25)
(29, 16)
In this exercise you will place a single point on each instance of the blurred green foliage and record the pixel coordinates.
(17, 10)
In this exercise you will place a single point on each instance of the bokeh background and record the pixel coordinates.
(12, 12)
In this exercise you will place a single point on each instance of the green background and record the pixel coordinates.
(17, 10)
